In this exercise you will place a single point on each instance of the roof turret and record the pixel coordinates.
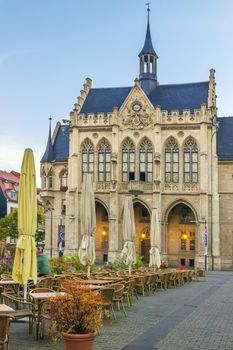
(49, 155)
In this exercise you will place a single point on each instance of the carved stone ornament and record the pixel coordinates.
(136, 118)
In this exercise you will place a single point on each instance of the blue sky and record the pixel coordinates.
(48, 47)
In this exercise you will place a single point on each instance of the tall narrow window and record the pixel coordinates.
(104, 161)
(44, 181)
(87, 157)
(190, 160)
(171, 160)
(146, 161)
(128, 160)
(64, 179)
(50, 180)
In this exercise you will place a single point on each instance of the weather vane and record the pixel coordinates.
(148, 6)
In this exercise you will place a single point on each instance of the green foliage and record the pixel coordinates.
(62, 264)
(9, 226)
(5, 266)
(139, 262)
(119, 264)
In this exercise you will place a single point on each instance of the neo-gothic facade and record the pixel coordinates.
(163, 145)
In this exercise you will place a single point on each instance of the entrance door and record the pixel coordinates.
(145, 247)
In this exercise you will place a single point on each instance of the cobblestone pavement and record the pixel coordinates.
(196, 316)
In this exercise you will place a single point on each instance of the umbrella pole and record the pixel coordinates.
(129, 269)
(25, 291)
(88, 271)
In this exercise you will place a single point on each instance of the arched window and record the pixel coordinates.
(128, 160)
(64, 179)
(146, 161)
(190, 160)
(87, 157)
(104, 161)
(171, 160)
(50, 179)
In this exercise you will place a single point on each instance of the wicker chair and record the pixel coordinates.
(107, 295)
(22, 308)
(118, 296)
(45, 282)
(5, 320)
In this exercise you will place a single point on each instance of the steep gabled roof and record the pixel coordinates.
(169, 97)
(225, 138)
(105, 99)
(180, 96)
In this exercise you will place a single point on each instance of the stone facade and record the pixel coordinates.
(164, 158)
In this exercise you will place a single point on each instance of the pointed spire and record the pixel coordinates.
(49, 152)
(148, 46)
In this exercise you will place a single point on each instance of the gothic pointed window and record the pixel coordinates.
(171, 160)
(128, 160)
(104, 161)
(190, 160)
(146, 161)
(87, 157)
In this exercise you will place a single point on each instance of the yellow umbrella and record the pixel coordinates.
(25, 264)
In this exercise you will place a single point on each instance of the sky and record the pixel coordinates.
(49, 47)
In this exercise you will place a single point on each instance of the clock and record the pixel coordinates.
(136, 107)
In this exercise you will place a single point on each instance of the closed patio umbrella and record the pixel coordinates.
(86, 251)
(25, 264)
(155, 260)
(128, 254)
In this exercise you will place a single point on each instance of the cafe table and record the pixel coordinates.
(100, 282)
(5, 309)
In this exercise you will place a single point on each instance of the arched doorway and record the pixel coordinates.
(102, 233)
(142, 226)
(181, 236)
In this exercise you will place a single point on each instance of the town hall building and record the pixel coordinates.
(161, 144)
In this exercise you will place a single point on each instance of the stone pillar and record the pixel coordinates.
(216, 262)
(113, 248)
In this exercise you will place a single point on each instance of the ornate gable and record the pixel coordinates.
(137, 112)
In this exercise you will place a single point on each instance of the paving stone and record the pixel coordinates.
(198, 316)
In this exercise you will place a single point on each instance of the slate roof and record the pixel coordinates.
(225, 138)
(169, 97)
(148, 46)
(61, 144)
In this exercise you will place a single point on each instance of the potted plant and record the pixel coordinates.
(76, 316)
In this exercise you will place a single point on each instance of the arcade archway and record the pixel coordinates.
(181, 236)
(102, 233)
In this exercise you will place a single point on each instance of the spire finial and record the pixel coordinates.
(148, 10)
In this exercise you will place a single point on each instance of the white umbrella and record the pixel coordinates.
(155, 259)
(86, 251)
(128, 252)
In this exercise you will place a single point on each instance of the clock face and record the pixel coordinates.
(137, 107)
